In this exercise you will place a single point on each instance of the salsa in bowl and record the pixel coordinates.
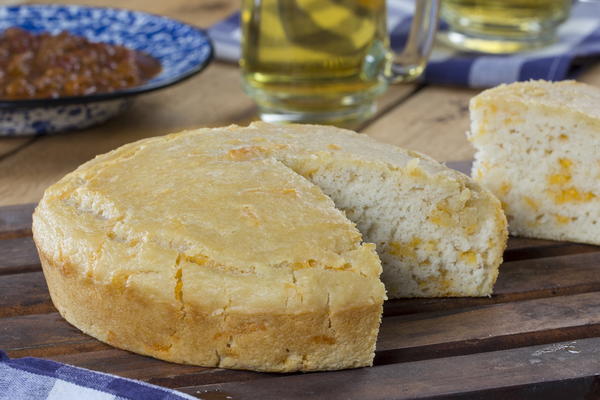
(103, 57)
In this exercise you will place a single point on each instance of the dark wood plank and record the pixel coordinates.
(129, 365)
(24, 294)
(537, 372)
(520, 280)
(402, 338)
(18, 255)
(518, 243)
(496, 327)
(44, 335)
(551, 275)
(15, 221)
(526, 249)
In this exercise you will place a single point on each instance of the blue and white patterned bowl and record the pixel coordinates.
(183, 50)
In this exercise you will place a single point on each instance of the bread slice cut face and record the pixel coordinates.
(239, 248)
(538, 149)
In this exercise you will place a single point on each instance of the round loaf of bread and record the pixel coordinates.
(235, 247)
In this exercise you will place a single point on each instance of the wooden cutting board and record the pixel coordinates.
(537, 337)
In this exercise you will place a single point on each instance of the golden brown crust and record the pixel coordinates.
(267, 342)
(559, 98)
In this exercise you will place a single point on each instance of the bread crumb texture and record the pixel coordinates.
(242, 247)
(543, 140)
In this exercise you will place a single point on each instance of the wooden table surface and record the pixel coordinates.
(537, 337)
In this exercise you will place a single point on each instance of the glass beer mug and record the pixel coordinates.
(502, 26)
(325, 61)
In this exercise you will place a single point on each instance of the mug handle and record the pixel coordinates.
(410, 63)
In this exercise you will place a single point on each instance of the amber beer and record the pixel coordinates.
(316, 60)
(503, 26)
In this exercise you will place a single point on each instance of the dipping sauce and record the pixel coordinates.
(35, 66)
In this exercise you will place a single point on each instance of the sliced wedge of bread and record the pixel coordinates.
(538, 150)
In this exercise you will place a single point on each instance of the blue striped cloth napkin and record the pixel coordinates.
(578, 41)
(35, 379)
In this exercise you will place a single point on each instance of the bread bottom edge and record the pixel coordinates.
(126, 319)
